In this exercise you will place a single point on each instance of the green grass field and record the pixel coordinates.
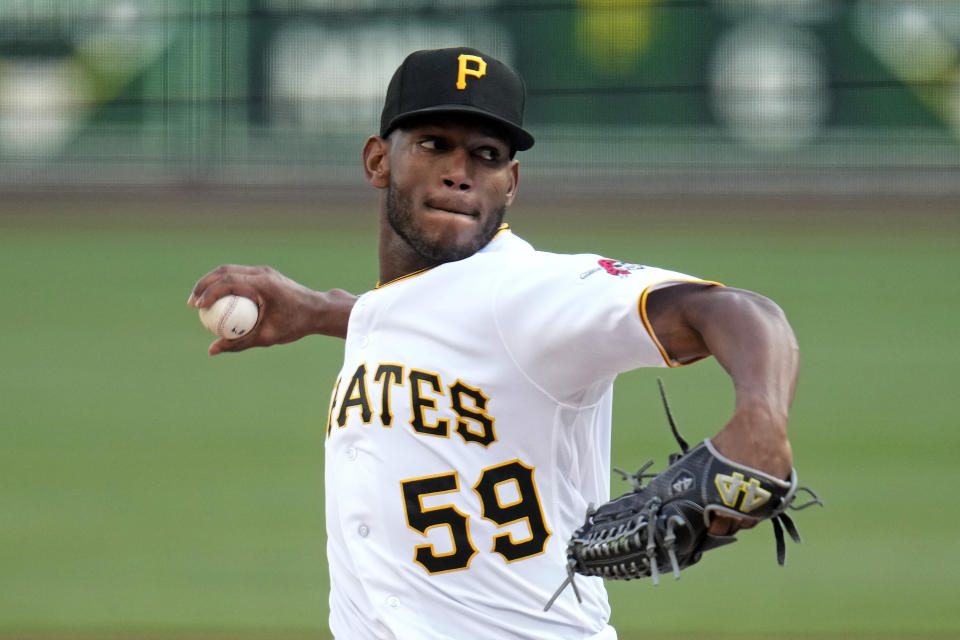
(149, 491)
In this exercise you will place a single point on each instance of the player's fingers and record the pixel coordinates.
(213, 277)
(216, 347)
(230, 346)
(258, 336)
(231, 283)
(721, 527)
(203, 283)
(726, 525)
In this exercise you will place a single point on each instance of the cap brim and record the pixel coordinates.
(519, 137)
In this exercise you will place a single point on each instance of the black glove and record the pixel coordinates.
(662, 526)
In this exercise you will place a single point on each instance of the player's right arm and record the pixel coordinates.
(288, 310)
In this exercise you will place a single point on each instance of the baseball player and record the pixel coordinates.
(469, 427)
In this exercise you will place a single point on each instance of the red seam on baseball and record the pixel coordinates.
(226, 316)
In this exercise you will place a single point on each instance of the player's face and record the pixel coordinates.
(450, 184)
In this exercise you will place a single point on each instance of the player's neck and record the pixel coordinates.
(391, 270)
(398, 259)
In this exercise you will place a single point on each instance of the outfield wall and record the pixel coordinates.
(625, 96)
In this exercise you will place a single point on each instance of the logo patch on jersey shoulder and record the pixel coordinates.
(613, 268)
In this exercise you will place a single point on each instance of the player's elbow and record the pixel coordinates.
(746, 314)
(770, 320)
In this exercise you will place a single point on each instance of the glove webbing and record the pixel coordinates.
(643, 522)
(636, 536)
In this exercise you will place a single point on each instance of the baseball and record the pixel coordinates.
(230, 317)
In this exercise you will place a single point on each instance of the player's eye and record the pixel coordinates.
(488, 153)
(434, 143)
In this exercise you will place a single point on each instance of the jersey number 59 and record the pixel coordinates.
(525, 508)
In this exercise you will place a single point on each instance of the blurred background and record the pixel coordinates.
(805, 149)
(663, 96)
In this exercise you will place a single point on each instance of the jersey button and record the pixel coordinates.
(363, 530)
(363, 341)
(393, 601)
(351, 453)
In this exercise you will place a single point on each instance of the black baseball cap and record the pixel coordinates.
(456, 80)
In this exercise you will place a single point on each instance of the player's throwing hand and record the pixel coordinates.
(288, 310)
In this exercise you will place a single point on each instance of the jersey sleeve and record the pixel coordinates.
(573, 321)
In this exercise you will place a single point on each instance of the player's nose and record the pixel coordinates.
(456, 170)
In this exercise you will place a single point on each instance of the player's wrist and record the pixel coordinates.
(329, 312)
(761, 412)
(757, 436)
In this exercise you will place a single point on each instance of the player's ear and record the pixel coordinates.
(514, 181)
(376, 161)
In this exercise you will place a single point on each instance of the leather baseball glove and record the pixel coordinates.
(662, 525)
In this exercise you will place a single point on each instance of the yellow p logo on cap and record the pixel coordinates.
(477, 72)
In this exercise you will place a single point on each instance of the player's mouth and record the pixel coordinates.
(448, 207)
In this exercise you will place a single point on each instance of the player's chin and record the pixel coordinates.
(448, 236)
(453, 228)
(451, 246)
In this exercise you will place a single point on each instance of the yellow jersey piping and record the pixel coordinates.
(646, 321)
(503, 227)
(406, 277)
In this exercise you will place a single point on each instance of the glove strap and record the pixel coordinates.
(569, 580)
(684, 446)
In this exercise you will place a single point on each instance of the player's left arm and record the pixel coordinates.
(750, 337)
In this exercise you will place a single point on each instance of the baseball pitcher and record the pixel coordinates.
(468, 437)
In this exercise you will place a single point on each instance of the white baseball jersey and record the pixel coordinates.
(469, 429)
